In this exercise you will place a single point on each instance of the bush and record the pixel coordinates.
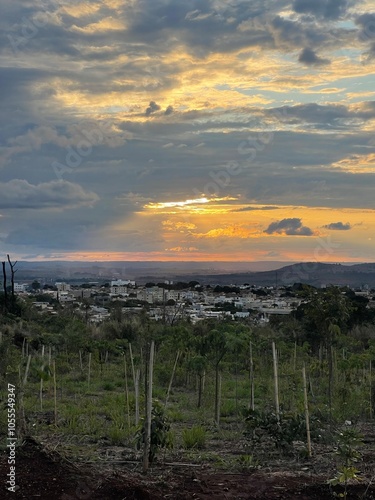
(265, 427)
(194, 438)
(108, 386)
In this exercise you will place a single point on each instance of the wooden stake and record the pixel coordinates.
(41, 383)
(276, 380)
(132, 363)
(89, 372)
(22, 428)
(136, 393)
(126, 390)
(371, 410)
(148, 394)
(172, 377)
(307, 416)
(252, 385)
(55, 391)
(27, 370)
(217, 416)
(80, 360)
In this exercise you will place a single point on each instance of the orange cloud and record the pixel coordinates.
(230, 232)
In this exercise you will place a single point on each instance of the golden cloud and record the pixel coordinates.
(357, 164)
(232, 231)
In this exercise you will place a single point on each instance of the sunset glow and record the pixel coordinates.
(165, 130)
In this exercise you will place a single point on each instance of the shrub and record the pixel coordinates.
(264, 426)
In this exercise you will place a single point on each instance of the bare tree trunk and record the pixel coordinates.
(13, 272)
(5, 286)
(200, 390)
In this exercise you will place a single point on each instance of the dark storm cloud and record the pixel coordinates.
(152, 108)
(327, 116)
(338, 226)
(169, 110)
(19, 193)
(199, 24)
(366, 22)
(293, 33)
(326, 9)
(251, 209)
(289, 227)
(309, 57)
(17, 94)
(367, 25)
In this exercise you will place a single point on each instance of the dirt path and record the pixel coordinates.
(46, 475)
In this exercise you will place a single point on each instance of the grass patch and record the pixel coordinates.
(194, 438)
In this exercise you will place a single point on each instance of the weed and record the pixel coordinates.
(247, 462)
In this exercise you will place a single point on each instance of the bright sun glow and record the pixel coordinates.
(182, 204)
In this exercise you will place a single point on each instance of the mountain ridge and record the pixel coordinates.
(313, 273)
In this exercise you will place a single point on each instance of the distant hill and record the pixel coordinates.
(133, 269)
(312, 273)
(254, 273)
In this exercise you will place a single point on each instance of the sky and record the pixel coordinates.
(187, 130)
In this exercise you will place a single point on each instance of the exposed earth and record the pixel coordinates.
(45, 474)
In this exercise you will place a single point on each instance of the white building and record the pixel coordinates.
(119, 290)
(62, 286)
(122, 283)
(20, 287)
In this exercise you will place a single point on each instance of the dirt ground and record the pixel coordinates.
(45, 474)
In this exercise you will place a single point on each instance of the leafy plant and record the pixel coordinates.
(282, 431)
(160, 437)
(348, 442)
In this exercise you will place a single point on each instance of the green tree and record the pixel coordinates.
(325, 316)
(35, 285)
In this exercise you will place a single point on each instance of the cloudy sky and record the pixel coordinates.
(187, 130)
